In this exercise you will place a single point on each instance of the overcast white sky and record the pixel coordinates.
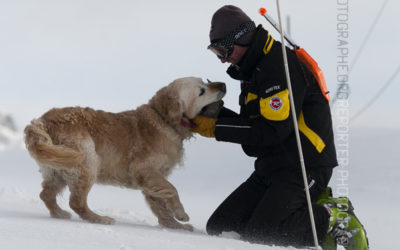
(114, 55)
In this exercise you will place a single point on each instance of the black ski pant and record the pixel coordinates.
(272, 209)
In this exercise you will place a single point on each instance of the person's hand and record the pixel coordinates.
(205, 126)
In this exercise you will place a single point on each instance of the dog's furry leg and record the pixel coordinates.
(153, 183)
(165, 217)
(80, 187)
(52, 185)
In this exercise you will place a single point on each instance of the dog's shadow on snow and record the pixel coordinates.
(138, 225)
(33, 215)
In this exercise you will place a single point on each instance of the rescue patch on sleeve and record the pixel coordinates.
(276, 107)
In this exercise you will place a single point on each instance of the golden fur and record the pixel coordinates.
(77, 147)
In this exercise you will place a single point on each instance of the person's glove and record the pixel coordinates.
(205, 126)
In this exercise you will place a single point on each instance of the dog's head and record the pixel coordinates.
(185, 98)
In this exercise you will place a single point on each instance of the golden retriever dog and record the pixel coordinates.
(138, 149)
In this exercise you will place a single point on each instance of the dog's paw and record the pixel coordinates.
(101, 220)
(61, 214)
(107, 220)
(181, 216)
(173, 224)
(187, 227)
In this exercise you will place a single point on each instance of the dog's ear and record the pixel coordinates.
(174, 106)
(168, 103)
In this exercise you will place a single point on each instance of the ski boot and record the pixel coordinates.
(329, 242)
(345, 228)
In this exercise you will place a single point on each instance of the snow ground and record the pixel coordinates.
(212, 170)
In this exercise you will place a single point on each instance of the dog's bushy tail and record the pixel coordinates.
(41, 147)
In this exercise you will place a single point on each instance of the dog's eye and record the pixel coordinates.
(202, 91)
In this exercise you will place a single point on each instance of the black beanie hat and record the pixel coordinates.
(225, 20)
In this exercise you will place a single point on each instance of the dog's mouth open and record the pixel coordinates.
(186, 122)
(211, 110)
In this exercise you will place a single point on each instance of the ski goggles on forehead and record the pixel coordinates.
(224, 48)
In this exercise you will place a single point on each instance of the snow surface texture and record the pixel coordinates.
(212, 170)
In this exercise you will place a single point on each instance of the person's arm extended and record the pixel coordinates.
(225, 112)
(245, 131)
